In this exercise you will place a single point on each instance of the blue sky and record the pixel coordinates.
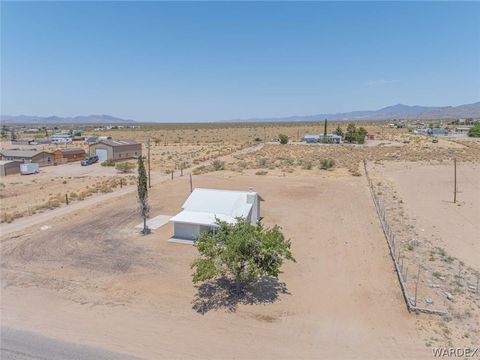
(208, 61)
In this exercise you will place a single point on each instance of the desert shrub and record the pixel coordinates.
(124, 167)
(218, 165)
(242, 164)
(108, 162)
(7, 217)
(258, 139)
(263, 162)
(327, 164)
(105, 189)
(307, 165)
(261, 172)
(53, 203)
(283, 139)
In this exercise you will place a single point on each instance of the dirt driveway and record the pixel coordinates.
(92, 279)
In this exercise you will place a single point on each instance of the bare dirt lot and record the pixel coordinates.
(437, 239)
(427, 191)
(116, 289)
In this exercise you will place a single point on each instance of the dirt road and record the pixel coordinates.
(24, 345)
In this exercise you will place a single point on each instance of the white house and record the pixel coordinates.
(204, 206)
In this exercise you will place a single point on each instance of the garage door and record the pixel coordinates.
(102, 154)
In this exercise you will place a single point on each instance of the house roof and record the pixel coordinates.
(204, 205)
(4, 162)
(20, 153)
(72, 151)
(119, 142)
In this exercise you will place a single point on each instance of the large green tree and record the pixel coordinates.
(474, 131)
(339, 131)
(241, 251)
(360, 136)
(142, 188)
(351, 133)
(325, 140)
(4, 131)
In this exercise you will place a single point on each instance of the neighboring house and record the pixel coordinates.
(67, 155)
(61, 138)
(43, 158)
(439, 132)
(9, 167)
(331, 138)
(204, 206)
(463, 130)
(309, 138)
(116, 149)
(334, 138)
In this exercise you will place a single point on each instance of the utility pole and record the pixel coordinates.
(148, 163)
(455, 180)
(191, 184)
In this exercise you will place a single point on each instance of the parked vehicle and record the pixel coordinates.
(89, 160)
(29, 168)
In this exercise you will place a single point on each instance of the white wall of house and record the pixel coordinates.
(185, 231)
(188, 231)
(254, 215)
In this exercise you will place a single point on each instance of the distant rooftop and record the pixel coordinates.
(20, 153)
(119, 142)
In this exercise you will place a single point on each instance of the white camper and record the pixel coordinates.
(29, 168)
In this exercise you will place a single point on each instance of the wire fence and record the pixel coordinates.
(396, 254)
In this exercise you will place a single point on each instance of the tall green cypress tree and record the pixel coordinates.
(325, 132)
(142, 187)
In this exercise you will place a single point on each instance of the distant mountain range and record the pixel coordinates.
(399, 111)
(82, 119)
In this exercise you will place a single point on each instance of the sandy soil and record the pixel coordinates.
(438, 238)
(124, 292)
(427, 191)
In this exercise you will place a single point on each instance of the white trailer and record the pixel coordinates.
(29, 168)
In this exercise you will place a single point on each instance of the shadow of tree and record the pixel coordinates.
(220, 294)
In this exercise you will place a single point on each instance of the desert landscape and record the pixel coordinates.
(239, 180)
(83, 273)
